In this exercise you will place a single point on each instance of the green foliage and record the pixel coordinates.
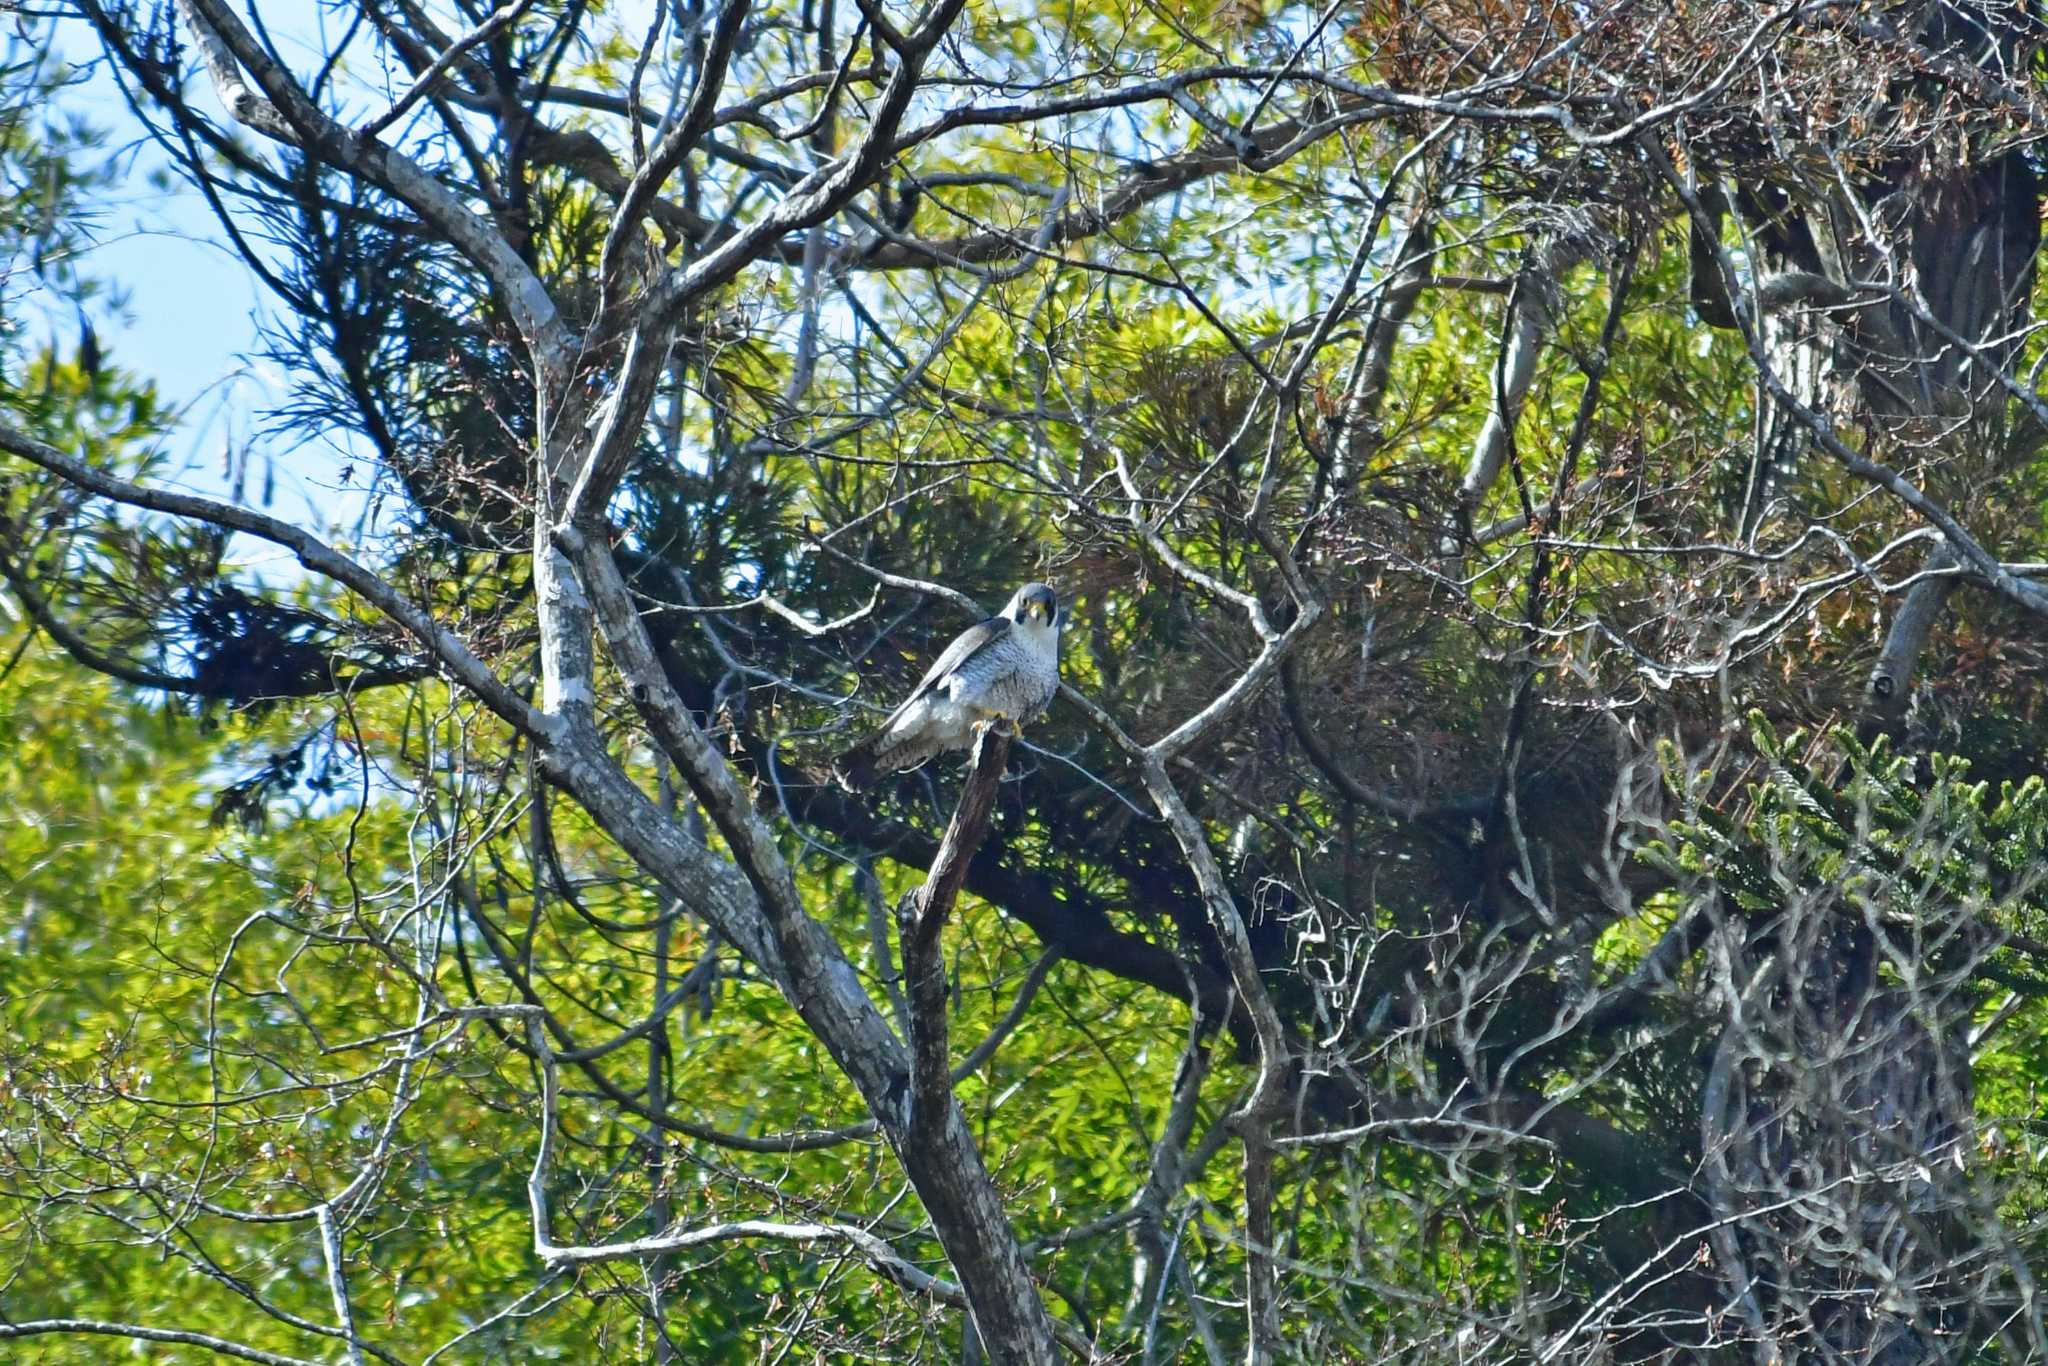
(279, 846)
(1898, 838)
(159, 967)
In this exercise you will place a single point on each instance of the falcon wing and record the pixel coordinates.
(965, 646)
(856, 767)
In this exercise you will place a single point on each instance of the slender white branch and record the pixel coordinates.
(337, 1283)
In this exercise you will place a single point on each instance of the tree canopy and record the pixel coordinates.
(1541, 852)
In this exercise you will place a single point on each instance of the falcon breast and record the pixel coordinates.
(1005, 669)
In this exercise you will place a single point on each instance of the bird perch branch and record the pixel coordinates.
(922, 915)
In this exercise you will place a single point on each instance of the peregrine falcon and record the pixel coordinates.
(1004, 669)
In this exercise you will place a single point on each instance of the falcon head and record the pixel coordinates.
(1035, 604)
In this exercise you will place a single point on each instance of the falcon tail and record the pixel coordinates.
(855, 768)
(883, 752)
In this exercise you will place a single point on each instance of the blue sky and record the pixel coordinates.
(190, 312)
(184, 312)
